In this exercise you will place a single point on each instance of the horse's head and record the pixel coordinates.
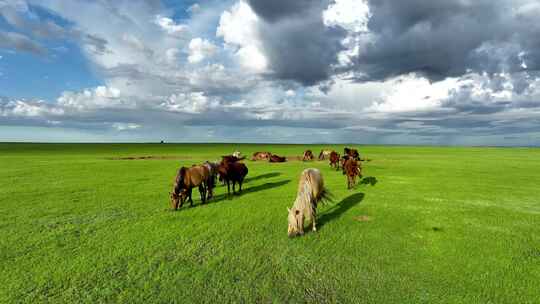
(296, 222)
(175, 199)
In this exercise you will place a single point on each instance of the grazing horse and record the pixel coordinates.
(308, 155)
(351, 153)
(213, 169)
(237, 154)
(234, 172)
(352, 169)
(277, 159)
(334, 160)
(310, 192)
(187, 179)
(261, 156)
(324, 154)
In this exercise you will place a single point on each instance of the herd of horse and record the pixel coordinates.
(230, 170)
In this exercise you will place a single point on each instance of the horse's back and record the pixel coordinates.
(313, 178)
(198, 175)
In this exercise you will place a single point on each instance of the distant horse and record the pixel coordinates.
(310, 192)
(334, 160)
(352, 169)
(234, 172)
(237, 154)
(277, 159)
(308, 155)
(351, 153)
(187, 179)
(324, 154)
(231, 158)
(261, 156)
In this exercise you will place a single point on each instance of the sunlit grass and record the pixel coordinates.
(430, 225)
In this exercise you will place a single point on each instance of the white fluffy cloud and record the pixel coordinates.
(168, 25)
(100, 97)
(199, 49)
(238, 28)
(413, 93)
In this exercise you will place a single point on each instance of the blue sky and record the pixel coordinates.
(373, 71)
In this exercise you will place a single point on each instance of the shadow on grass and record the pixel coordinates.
(369, 180)
(262, 176)
(225, 196)
(337, 210)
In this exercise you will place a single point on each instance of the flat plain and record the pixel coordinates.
(91, 223)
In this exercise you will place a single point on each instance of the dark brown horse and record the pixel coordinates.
(277, 159)
(351, 153)
(234, 172)
(187, 179)
(334, 160)
(352, 169)
(308, 155)
(231, 158)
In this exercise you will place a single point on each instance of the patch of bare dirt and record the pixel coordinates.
(150, 157)
(363, 218)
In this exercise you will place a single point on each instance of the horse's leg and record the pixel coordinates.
(240, 185)
(228, 188)
(233, 187)
(202, 192)
(313, 221)
(190, 198)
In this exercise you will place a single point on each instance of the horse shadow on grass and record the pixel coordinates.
(248, 190)
(262, 176)
(369, 180)
(338, 209)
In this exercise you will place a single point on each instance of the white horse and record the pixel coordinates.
(310, 191)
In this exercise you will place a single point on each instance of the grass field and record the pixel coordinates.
(440, 225)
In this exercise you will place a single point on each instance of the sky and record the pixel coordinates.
(419, 72)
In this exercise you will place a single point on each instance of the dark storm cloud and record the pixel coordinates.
(437, 39)
(442, 39)
(295, 40)
(277, 9)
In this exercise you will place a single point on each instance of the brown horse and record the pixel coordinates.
(351, 153)
(324, 154)
(231, 158)
(352, 169)
(261, 156)
(234, 172)
(308, 155)
(277, 159)
(310, 192)
(187, 179)
(334, 160)
(213, 169)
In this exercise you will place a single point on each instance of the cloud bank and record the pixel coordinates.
(376, 71)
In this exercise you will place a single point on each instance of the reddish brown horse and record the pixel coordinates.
(277, 159)
(234, 172)
(187, 179)
(261, 156)
(334, 160)
(308, 155)
(352, 169)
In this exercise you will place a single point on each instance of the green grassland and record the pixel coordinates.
(440, 225)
